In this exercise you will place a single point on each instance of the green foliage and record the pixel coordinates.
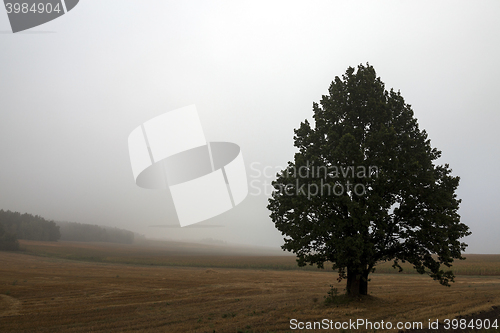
(71, 231)
(332, 295)
(408, 209)
(27, 226)
(334, 298)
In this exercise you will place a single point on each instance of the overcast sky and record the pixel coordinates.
(72, 90)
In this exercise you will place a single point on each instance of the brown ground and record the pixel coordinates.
(168, 253)
(55, 295)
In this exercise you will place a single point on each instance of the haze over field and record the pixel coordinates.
(72, 90)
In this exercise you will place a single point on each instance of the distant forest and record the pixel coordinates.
(14, 226)
(27, 226)
(71, 231)
(8, 241)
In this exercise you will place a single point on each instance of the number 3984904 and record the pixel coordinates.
(36, 8)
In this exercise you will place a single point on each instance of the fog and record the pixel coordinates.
(73, 89)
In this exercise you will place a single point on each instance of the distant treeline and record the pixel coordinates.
(71, 231)
(14, 226)
(27, 226)
(8, 241)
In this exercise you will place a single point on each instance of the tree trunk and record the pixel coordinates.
(357, 283)
(363, 285)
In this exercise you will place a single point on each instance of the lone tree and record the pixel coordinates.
(363, 189)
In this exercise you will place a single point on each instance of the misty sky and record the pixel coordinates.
(72, 90)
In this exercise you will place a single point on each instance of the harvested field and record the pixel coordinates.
(158, 253)
(44, 294)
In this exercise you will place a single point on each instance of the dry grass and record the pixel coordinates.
(45, 294)
(160, 253)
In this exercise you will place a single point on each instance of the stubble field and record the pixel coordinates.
(47, 293)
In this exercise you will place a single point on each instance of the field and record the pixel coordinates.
(165, 253)
(79, 287)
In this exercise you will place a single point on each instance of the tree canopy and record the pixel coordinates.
(27, 226)
(8, 241)
(363, 187)
(71, 231)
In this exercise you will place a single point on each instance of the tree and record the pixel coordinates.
(27, 226)
(71, 231)
(8, 241)
(363, 188)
